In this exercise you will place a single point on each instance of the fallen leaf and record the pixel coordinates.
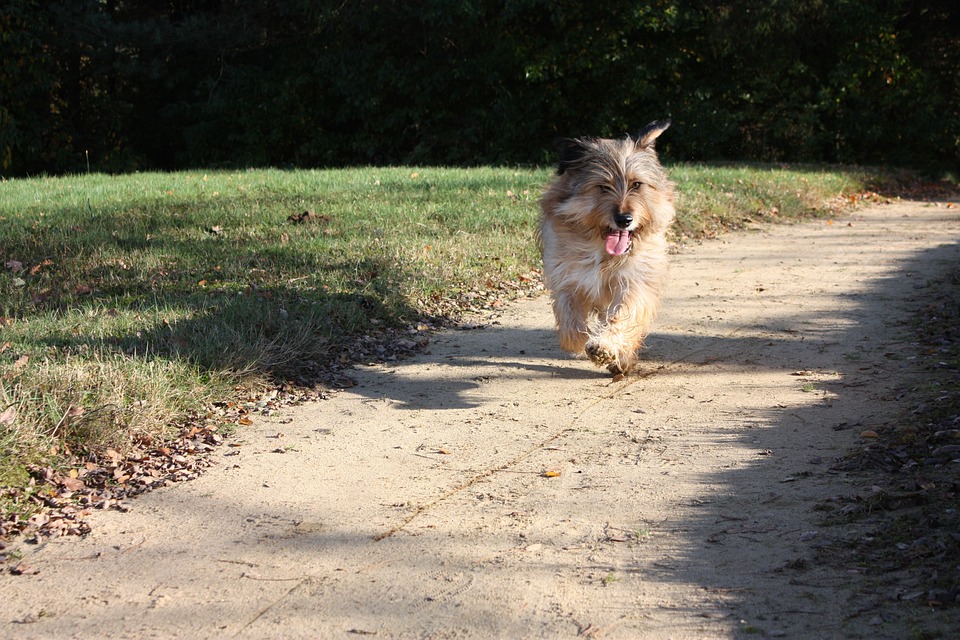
(23, 569)
(75, 412)
(551, 473)
(14, 265)
(8, 416)
(869, 434)
(35, 268)
(72, 484)
(308, 217)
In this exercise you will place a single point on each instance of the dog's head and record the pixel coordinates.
(614, 189)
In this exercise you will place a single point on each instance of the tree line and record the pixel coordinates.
(121, 85)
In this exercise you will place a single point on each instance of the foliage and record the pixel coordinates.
(137, 84)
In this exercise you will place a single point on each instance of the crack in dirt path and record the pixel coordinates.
(494, 488)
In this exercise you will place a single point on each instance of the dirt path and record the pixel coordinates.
(494, 488)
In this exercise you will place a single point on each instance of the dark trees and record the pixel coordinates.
(128, 84)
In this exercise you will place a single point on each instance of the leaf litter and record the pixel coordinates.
(904, 529)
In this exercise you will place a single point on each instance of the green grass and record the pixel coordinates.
(128, 301)
(714, 199)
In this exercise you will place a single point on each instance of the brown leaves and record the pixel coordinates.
(308, 217)
(35, 269)
(15, 266)
(491, 295)
(59, 499)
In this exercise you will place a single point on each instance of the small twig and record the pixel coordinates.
(250, 576)
(243, 562)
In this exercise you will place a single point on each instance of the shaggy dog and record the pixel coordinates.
(602, 234)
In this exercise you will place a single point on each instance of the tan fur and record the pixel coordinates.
(604, 304)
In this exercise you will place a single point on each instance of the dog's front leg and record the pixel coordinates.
(616, 342)
(571, 314)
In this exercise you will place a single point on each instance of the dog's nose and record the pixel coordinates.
(623, 220)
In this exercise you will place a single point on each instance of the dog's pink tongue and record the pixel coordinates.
(618, 242)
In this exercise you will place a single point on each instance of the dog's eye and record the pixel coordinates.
(635, 186)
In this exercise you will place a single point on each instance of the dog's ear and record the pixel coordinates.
(650, 133)
(573, 153)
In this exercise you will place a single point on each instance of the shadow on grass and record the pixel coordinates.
(228, 283)
(287, 309)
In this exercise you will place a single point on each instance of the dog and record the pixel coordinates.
(603, 239)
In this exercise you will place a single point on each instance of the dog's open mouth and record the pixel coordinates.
(618, 242)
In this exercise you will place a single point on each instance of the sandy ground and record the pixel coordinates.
(496, 488)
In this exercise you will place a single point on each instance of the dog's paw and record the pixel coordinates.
(600, 353)
(619, 369)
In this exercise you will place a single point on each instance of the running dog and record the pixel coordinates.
(602, 234)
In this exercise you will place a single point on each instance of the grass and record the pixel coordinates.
(714, 199)
(127, 302)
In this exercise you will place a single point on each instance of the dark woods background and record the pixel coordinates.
(142, 84)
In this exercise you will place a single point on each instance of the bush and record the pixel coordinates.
(181, 84)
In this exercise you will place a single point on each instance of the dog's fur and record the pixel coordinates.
(602, 233)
